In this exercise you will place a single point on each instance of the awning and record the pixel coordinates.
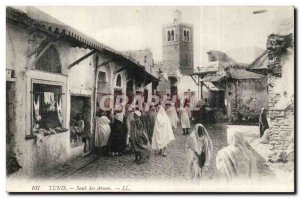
(37, 20)
(243, 74)
(213, 86)
(203, 71)
(214, 78)
(260, 65)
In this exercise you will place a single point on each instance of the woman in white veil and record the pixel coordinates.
(199, 149)
(236, 161)
(172, 114)
(162, 133)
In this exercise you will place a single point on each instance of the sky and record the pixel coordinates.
(215, 28)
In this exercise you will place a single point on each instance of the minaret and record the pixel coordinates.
(178, 46)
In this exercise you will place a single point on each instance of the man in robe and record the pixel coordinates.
(163, 133)
(236, 161)
(118, 135)
(152, 117)
(145, 119)
(199, 149)
(129, 117)
(263, 121)
(139, 139)
(102, 131)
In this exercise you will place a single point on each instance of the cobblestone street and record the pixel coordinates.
(158, 167)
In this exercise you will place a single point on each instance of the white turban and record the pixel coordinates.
(138, 113)
(119, 116)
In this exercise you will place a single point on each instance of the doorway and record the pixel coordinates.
(217, 99)
(80, 122)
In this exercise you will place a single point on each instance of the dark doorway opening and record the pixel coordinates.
(217, 99)
(80, 122)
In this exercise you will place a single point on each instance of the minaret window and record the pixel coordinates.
(171, 35)
(186, 35)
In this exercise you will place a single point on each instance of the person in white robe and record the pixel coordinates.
(102, 131)
(163, 133)
(199, 149)
(185, 116)
(236, 161)
(172, 114)
(129, 117)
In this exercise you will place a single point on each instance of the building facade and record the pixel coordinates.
(230, 88)
(246, 95)
(40, 93)
(55, 76)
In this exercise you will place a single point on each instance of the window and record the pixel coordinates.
(119, 81)
(47, 108)
(102, 77)
(186, 35)
(49, 61)
(145, 59)
(101, 80)
(171, 35)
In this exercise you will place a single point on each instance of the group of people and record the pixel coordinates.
(134, 131)
(233, 162)
(138, 132)
(183, 118)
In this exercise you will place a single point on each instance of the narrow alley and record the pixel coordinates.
(158, 167)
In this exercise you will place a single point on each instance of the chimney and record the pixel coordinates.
(177, 16)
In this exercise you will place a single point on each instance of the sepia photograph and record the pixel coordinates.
(188, 99)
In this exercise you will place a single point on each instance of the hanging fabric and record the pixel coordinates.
(36, 107)
(49, 101)
(59, 111)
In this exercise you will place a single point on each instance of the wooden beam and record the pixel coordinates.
(119, 70)
(41, 54)
(81, 59)
(105, 63)
(37, 49)
(201, 86)
(204, 85)
(199, 89)
(194, 80)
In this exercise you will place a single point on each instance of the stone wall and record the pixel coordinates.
(281, 96)
(245, 98)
